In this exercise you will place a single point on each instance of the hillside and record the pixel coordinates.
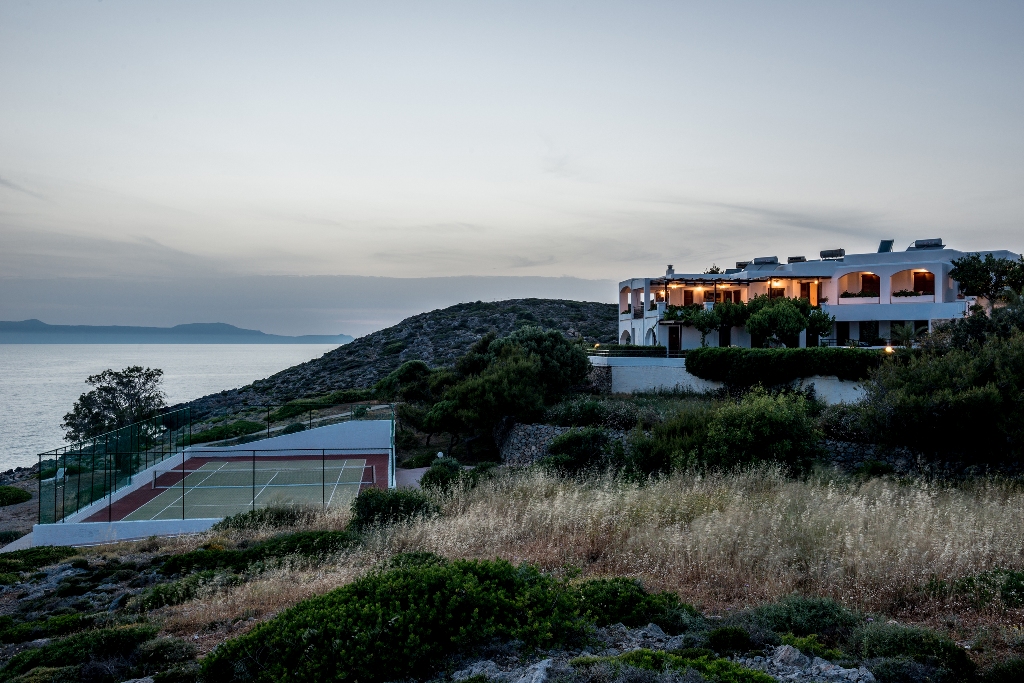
(437, 337)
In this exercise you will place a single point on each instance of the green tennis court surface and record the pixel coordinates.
(218, 488)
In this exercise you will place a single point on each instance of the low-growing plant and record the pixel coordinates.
(272, 517)
(804, 616)
(713, 669)
(227, 431)
(182, 590)
(401, 623)
(771, 367)
(442, 474)
(812, 646)
(1008, 671)
(82, 649)
(378, 507)
(729, 640)
(294, 428)
(31, 559)
(622, 600)
(1002, 585)
(303, 543)
(577, 450)
(924, 646)
(12, 495)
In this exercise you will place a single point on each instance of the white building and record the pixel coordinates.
(867, 293)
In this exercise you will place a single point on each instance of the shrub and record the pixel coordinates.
(806, 616)
(442, 474)
(401, 623)
(922, 645)
(377, 507)
(31, 559)
(268, 517)
(577, 450)
(679, 441)
(294, 428)
(1010, 671)
(162, 653)
(772, 367)
(901, 670)
(12, 495)
(711, 668)
(610, 601)
(811, 645)
(579, 411)
(729, 640)
(81, 648)
(761, 428)
(10, 536)
(304, 543)
(181, 591)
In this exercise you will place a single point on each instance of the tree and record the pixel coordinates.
(118, 399)
(563, 364)
(819, 323)
(988, 277)
(777, 321)
(713, 270)
(706, 322)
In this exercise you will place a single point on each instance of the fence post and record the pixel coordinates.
(254, 474)
(323, 477)
(183, 475)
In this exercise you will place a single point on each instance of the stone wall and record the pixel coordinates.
(526, 444)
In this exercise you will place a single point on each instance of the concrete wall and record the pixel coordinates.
(93, 533)
(638, 375)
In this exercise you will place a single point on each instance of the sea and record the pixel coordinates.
(39, 383)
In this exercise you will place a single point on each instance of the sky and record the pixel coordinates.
(249, 148)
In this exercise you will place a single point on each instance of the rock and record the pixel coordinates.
(675, 643)
(787, 655)
(483, 668)
(147, 679)
(653, 631)
(537, 673)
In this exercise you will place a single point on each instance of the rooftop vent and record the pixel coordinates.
(796, 259)
(730, 271)
(766, 260)
(833, 254)
(670, 271)
(885, 246)
(740, 265)
(934, 243)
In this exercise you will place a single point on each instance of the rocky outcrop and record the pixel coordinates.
(437, 338)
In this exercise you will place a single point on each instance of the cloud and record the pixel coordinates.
(18, 188)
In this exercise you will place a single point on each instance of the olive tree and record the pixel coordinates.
(119, 398)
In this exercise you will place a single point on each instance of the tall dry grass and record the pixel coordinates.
(721, 540)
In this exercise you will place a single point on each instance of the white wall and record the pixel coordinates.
(93, 533)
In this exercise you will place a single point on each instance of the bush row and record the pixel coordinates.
(772, 367)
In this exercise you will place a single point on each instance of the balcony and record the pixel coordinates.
(858, 299)
(916, 298)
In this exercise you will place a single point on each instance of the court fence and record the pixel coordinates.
(76, 476)
(218, 483)
(79, 475)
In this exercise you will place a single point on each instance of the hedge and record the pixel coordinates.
(770, 367)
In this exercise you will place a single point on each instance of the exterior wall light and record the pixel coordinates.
(888, 349)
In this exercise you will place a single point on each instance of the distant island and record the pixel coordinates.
(38, 332)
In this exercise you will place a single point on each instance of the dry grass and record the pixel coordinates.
(721, 541)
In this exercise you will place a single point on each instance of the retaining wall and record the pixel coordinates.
(93, 533)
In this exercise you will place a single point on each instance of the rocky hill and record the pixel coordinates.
(437, 337)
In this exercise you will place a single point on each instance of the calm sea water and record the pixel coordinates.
(40, 382)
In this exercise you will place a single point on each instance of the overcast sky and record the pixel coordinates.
(149, 141)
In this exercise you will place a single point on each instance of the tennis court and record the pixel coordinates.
(208, 487)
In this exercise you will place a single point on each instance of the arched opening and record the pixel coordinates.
(624, 337)
(860, 285)
(916, 282)
(651, 339)
(624, 306)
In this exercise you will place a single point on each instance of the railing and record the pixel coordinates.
(635, 352)
(76, 476)
(282, 418)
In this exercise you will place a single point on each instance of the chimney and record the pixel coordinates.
(670, 271)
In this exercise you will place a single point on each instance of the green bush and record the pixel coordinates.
(304, 543)
(10, 536)
(294, 428)
(1010, 671)
(810, 645)
(183, 590)
(922, 645)
(622, 600)
(442, 474)
(162, 653)
(31, 559)
(1004, 585)
(377, 507)
(12, 495)
(711, 668)
(400, 624)
(51, 627)
(773, 367)
(763, 428)
(806, 616)
(269, 517)
(50, 674)
(729, 640)
(108, 643)
(577, 450)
